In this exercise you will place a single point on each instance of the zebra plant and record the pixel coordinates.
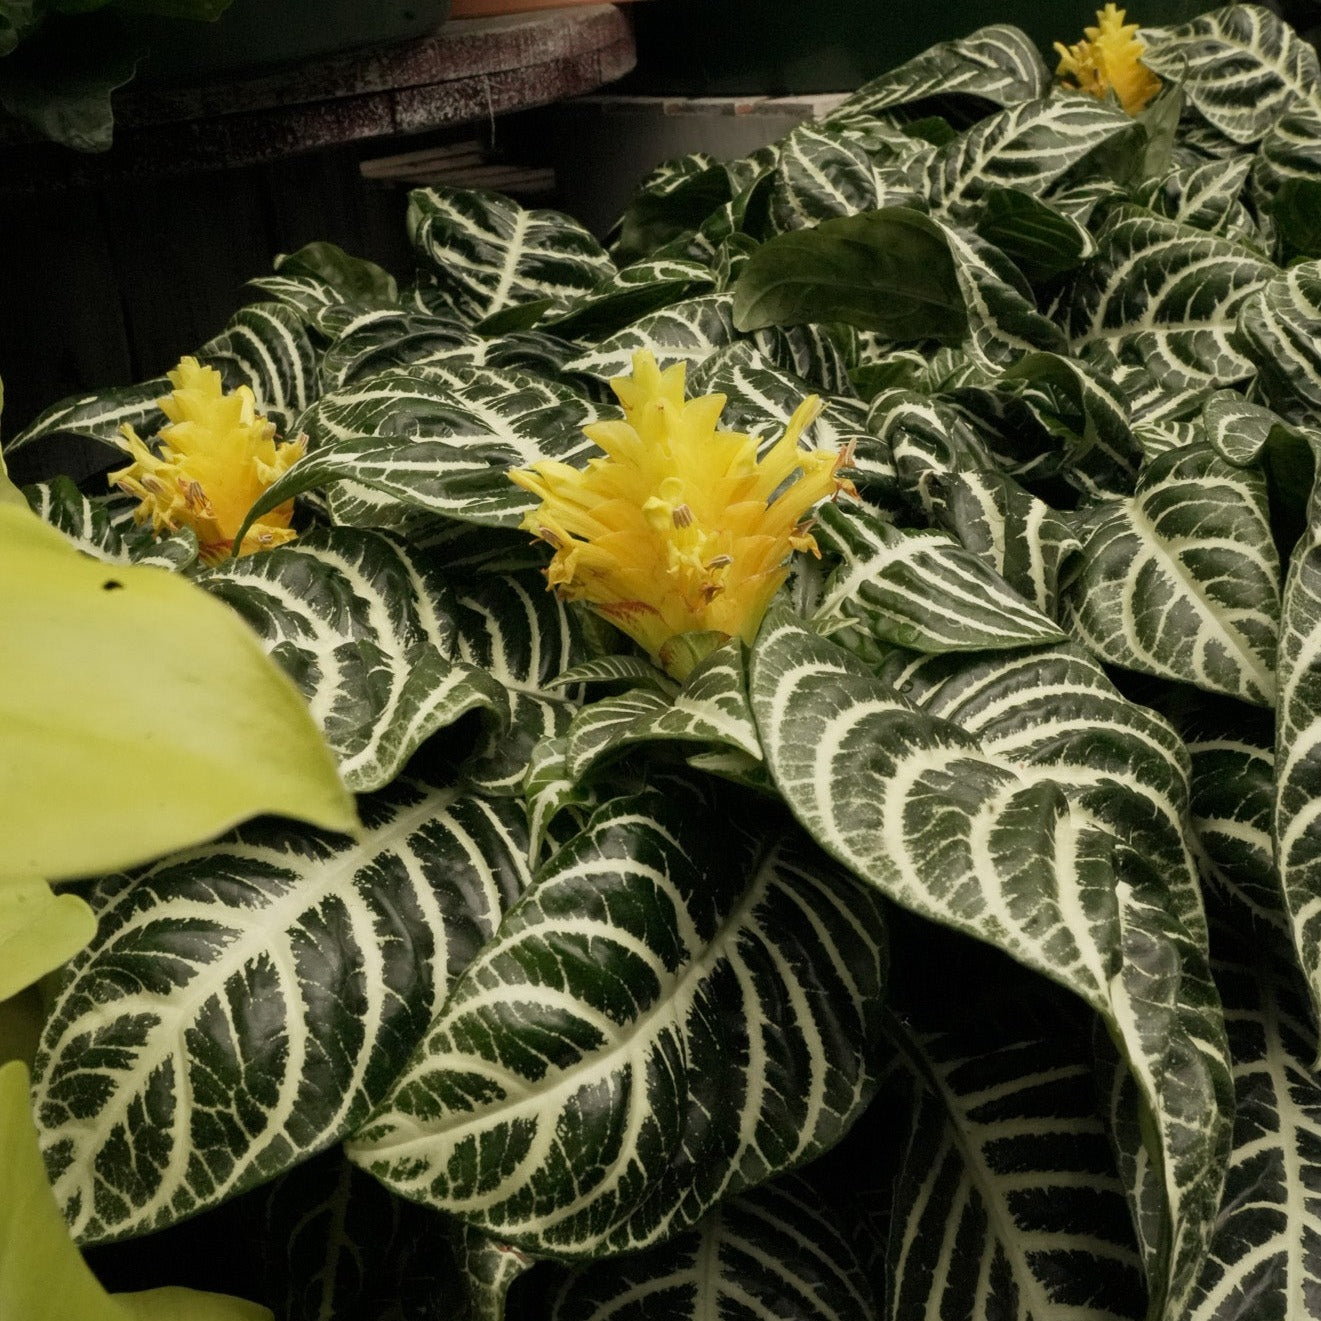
(881, 878)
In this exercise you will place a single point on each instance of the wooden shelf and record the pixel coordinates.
(495, 8)
(470, 69)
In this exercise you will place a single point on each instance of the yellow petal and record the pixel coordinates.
(679, 527)
(211, 464)
(1109, 61)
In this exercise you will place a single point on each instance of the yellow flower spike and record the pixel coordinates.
(678, 527)
(217, 456)
(1109, 60)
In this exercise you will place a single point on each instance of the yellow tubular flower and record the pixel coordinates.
(217, 456)
(679, 527)
(1109, 61)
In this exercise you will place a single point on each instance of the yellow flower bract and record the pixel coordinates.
(1109, 60)
(679, 527)
(217, 456)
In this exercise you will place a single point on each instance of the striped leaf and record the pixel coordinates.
(483, 252)
(98, 416)
(1240, 68)
(103, 527)
(631, 670)
(659, 1024)
(825, 170)
(925, 437)
(1207, 196)
(1182, 579)
(1237, 429)
(340, 1245)
(266, 347)
(1003, 321)
(378, 340)
(915, 806)
(1007, 1203)
(711, 708)
(247, 1003)
(819, 353)
(1167, 296)
(366, 629)
(521, 635)
(608, 726)
(364, 344)
(549, 789)
(760, 399)
(1148, 401)
(687, 331)
(1168, 1016)
(629, 294)
(1232, 799)
(1296, 819)
(924, 815)
(1054, 715)
(1028, 147)
(920, 590)
(401, 443)
(489, 1268)
(1291, 149)
(999, 64)
(1281, 324)
(1052, 417)
(773, 1254)
(1157, 438)
(1264, 1262)
(304, 294)
(692, 330)
(1022, 538)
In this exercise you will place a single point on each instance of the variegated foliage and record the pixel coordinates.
(767, 1255)
(617, 1026)
(281, 982)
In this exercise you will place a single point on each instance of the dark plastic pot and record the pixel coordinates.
(255, 34)
(750, 47)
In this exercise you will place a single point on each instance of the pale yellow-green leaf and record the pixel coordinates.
(42, 1274)
(9, 493)
(137, 715)
(39, 930)
(188, 1305)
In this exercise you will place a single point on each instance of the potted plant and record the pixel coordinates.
(832, 702)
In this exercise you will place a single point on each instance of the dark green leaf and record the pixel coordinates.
(1042, 242)
(61, 80)
(774, 1252)
(675, 205)
(1296, 211)
(999, 65)
(889, 270)
(354, 279)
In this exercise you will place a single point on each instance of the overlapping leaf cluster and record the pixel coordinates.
(954, 948)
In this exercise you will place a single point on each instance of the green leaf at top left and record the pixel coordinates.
(138, 716)
(42, 1274)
